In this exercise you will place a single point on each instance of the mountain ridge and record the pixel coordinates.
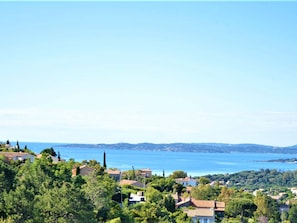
(192, 147)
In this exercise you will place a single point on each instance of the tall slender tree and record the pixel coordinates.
(104, 160)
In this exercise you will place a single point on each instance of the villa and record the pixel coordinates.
(18, 156)
(202, 210)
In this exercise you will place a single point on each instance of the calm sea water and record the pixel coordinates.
(195, 164)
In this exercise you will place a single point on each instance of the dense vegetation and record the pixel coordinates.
(252, 180)
(43, 191)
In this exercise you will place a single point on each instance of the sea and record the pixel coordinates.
(194, 163)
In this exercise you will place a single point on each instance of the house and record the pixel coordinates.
(136, 198)
(132, 183)
(115, 174)
(294, 190)
(83, 170)
(54, 159)
(187, 181)
(201, 215)
(18, 156)
(202, 210)
(147, 173)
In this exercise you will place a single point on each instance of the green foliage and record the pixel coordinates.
(18, 203)
(204, 192)
(116, 220)
(7, 174)
(293, 214)
(44, 191)
(240, 207)
(152, 195)
(227, 194)
(99, 191)
(266, 207)
(178, 174)
(204, 180)
(49, 151)
(163, 184)
(62, 204)
(252, 180)
(169, 203)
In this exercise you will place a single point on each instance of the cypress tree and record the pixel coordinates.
(104, 160)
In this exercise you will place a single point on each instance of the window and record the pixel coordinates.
(205, 220)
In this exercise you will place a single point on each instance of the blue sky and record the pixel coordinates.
(107, 72)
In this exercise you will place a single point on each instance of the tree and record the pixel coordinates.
(104, 160)
(242, 207)
(266, 207)
(163, 184)
(115, 220)
(204, 180)
(7, 174)
(99, 191)
(62, 204)
(49, 151)
(153, 195)
(293, 213)
(226, 194)
(18, 203)
(178, 174)
(204, 192)
(169, 203)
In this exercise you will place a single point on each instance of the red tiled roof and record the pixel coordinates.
(114, 172)
(131, 183)
(218, 206)
(11, 155)
(202, 212)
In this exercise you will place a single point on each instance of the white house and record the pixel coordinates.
(136, 198)
(187, 181)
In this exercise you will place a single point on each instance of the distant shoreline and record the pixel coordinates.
(191, 147)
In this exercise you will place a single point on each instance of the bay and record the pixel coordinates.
(195, 164)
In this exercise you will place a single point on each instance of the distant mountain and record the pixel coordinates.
(192, 147)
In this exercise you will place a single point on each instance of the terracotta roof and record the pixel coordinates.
(217, 205)
(127, 182)
(38, 156)
(201, 212)
(203, 203)
(11, 155)
(84, 170)
(220, 206)
(113, 171)
(131, 183)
